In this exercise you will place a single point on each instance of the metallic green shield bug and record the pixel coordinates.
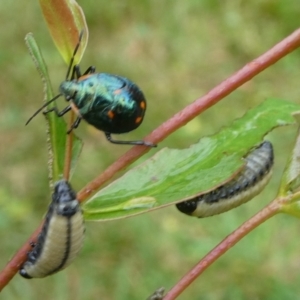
(249, 182)
(61, 237)
(111, 103)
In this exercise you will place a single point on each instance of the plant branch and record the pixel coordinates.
(250, 70)
(266, 213)
(15, 263)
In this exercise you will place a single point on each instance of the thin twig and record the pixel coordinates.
(15, 263)
(69, 146)
(266, 213)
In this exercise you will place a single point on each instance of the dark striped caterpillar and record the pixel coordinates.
(248, 183)
(61, 237)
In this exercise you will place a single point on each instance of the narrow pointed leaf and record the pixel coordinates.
(173, 175)
(56, 127)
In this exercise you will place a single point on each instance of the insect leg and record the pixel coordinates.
(142, 143)
(41, 108)
(90, 70)
(76, 73)
(74, 125)
(58, 113)
(61, 113)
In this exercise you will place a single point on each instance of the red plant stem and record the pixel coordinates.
(15, 263)
(253, 68)
(266, 213)
(69, 145)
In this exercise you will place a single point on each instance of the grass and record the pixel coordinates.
(176, 51)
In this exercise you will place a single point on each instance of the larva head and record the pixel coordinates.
(64, 199)
(63, 192)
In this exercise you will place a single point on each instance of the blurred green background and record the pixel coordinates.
(176, 51)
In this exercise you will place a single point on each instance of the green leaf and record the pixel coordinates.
(56, 127)
(290, 183)
(65, 20)
(292, 207)
(173, 175)
(291, 177)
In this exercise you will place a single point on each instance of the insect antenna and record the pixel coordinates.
(68, 73)
(74, 53)
(41, 108)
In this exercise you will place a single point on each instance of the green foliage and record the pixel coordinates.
(56, 138)
(173, 175)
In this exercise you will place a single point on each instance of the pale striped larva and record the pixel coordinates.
(248, 183)
(61, 237)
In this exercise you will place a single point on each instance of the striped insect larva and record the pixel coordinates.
(249, 182)
(61, 237)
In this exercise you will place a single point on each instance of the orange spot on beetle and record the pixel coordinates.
(110, 114)
(143, 105)
(138, 120)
